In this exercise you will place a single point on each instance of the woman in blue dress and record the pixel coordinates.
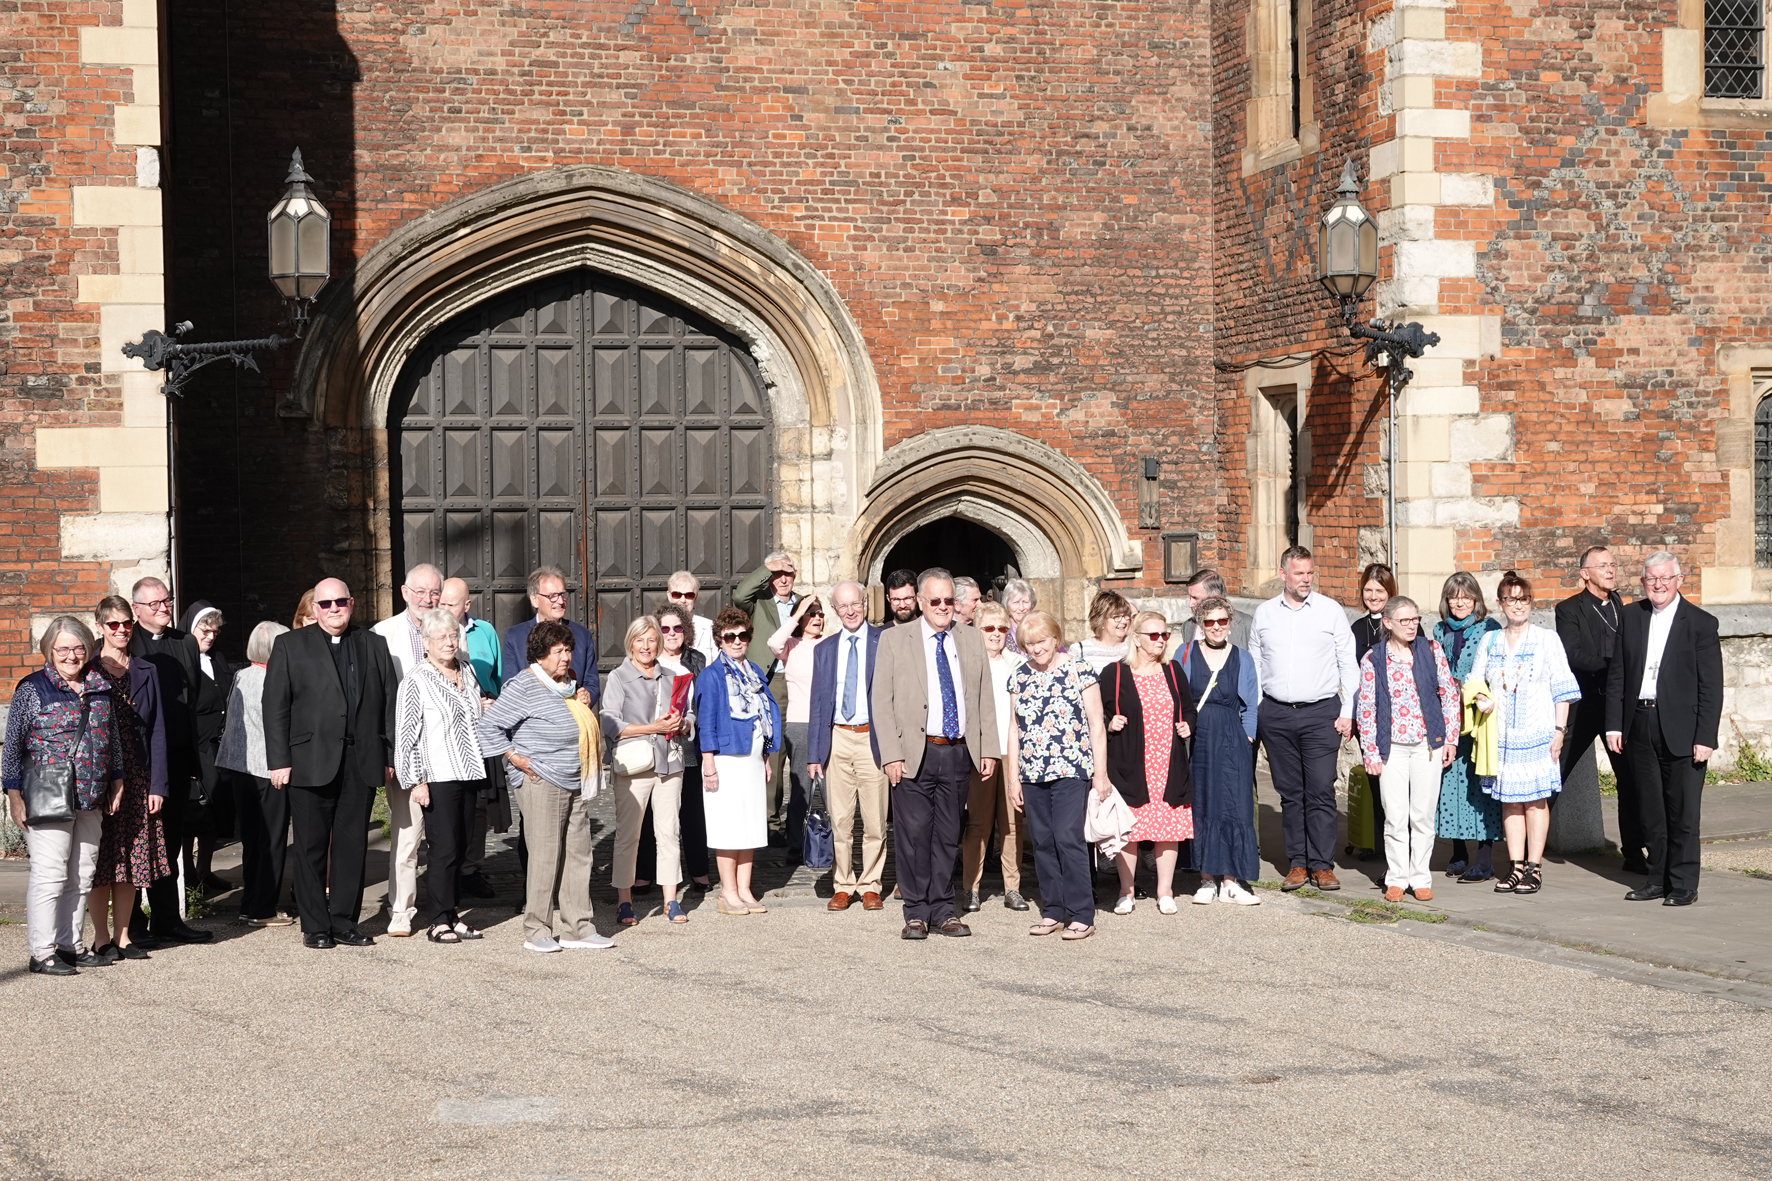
(1226, 696)
(1466, 812)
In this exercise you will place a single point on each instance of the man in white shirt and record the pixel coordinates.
(682, 590)
(1303, 650)
(1664, 704)
(422, 590)
(840, 746)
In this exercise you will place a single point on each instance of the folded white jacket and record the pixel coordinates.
(1106, 822)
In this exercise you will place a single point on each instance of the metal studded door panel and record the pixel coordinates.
(589, 425)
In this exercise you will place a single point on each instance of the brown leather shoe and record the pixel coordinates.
(1393, 893)
(1295, 878)
(839, 901)
(1325, 879)
(953, 927)
(915, 929)
(1424, 894)
(871, 901)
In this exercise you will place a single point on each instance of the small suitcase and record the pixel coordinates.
(1361, 829)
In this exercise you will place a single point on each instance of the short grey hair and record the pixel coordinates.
(258, 645)
(1210, 579)
(70, 625)
(1015, 588)
(1660, 558)
(1396, 603)
(541, 572)
(934, 574)
(439, 621)
(964, 583)
(683, 578)
(150, 580)
(779, 555)
(861, 592)
(424, 568)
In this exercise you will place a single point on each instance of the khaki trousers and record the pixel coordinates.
(406, 829)
(778, 782)
(631, 795)
(987, 799)
(850, 780)
(557, 828)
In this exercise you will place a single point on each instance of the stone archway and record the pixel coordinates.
(1065, 531)
(824, 396)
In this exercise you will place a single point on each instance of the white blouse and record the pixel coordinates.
(434, 728)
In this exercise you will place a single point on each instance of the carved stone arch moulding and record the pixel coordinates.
(823, 390)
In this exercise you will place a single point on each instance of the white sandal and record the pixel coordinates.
(1125, 905)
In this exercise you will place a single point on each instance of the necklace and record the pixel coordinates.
(1610, 621)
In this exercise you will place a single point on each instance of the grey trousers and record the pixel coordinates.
(63, 859)
(557, 828)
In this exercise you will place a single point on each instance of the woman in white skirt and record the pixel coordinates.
(739, 724)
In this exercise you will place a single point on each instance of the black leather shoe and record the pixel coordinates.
(110, 953)
(1680, 898)
(1647, 893)
(184, 933)
(130, 951)
(318, 939)
(50, 966)
(145, 939)
(353, 939)
(475, 885)
(84, 959)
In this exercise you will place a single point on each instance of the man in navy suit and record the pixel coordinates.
(840, 746)
(547, 594)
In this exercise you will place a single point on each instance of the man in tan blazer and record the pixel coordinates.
(935, 720)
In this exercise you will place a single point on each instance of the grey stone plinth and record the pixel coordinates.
(1575, 821)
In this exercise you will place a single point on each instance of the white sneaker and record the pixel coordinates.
(1125, 905)
(1206, 894)
(1233, 891)
(542, 943)
(1165, 905)
(591, 942)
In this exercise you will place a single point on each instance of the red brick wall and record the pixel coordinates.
(1014, 202)
(55, 132)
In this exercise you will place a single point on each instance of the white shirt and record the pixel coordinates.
(1002, 668)
(1661, 621)
(860, 648)
(1305, 653)
(933, 725)
(704, 638)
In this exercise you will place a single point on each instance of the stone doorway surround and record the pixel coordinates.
(822, 386)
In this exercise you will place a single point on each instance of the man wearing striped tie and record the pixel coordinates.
(840, 746)
(934, 722)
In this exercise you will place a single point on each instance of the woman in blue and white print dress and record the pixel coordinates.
(1529, 682)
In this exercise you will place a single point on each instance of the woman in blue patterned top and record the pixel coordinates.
(1527, 675)
(1466, 812)
(62, 713)
(1057, 752)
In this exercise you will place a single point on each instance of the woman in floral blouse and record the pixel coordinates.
(1409, 712)
(62, 714)
(1057, 751)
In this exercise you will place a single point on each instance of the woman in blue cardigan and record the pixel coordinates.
(738, 723)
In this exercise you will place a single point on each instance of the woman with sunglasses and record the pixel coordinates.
(1466, 811)
(1150, 717)
(1227, 695)
(738, 725)
(1527, 686)
(132, 852)
(1110, 619)
(793, 644)
(681, 592)
(679, 656)
(987, 799)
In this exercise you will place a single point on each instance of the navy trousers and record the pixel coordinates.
(1301, 742)
(927, 811)
(1062, 858)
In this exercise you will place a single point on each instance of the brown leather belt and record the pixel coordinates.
(861, 729)
(938, 740)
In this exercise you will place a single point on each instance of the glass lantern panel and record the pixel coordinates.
(283, 246)
(1344, 255)
(1369, 249)
(312, 255)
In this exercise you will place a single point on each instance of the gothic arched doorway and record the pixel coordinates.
(958, 546)
(589, 424)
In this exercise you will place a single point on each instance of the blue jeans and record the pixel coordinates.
(1055, 814)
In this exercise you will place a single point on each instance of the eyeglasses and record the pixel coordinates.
(156, 605)
(424, 596)
(66, 652)
(1516, 598)
(556, 597)
(687, 595)
(333, 604)
(1661, 580)
(671, 629)
(119, 625)
(993, 628)
(1153, 635)
(740, 637)
(1460, 598)
(1212, 623)
(1406, 619)
(940, 602)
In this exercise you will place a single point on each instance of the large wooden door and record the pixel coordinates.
(586, 424)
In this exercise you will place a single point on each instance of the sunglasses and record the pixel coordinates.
(939, 602)
(994, 628)
(333, 604)
(1153, 635)
(119, 625)
(729, 637)
(690, 595)
(1215, 623)
(671, 629)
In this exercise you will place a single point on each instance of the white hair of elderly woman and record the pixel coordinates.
(1014, 589)
(65, 625)
(258, 645)
(438, 622)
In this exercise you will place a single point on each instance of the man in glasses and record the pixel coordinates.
(175, 656)
(547, 594)
(901, 597)
(683, 590)
(934, 721)
(840, 746)
(422, 591)
(767, 596)
(329, 740)
(1588, 623)
(1209, 584)
(1664, 703)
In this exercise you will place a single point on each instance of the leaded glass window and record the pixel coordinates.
(1734, 48)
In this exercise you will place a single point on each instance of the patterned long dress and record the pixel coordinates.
(132, 849)
(1466, 812)
(1527, 685)
(1155, 820)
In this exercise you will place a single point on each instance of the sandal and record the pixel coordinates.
(467, 932)
(1045, 927)
(624, 914)
(1533, 879)
(721, 907)
(756, 907)
(674, 912)
(442, 933)
(1511, 882)
(1078, 931)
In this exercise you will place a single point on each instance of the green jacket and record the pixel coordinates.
(756, 598)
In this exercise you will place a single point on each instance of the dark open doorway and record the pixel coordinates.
(958, 546)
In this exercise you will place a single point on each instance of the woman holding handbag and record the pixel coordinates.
(641, 727)
(679, 656)
(61, 771)
(1227, 695)
(1151, 716)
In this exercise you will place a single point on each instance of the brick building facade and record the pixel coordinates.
(979, 262)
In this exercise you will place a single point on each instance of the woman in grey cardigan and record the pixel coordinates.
(641, 728)
(263, 810)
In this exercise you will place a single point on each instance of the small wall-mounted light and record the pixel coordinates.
(1150, 514)
(1181, 556)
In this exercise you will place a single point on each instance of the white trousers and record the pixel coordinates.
(406, 825)
(631, 795)
(1410, 788)
(63, 858)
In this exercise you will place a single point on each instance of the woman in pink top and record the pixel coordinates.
(793, 644)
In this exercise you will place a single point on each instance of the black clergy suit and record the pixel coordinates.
(1588, 627)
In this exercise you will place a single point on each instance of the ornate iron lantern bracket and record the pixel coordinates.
(156, 350)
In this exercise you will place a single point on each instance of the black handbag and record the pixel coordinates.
(817, 849)
(49, 791)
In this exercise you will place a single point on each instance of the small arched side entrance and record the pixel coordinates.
(960, 547)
